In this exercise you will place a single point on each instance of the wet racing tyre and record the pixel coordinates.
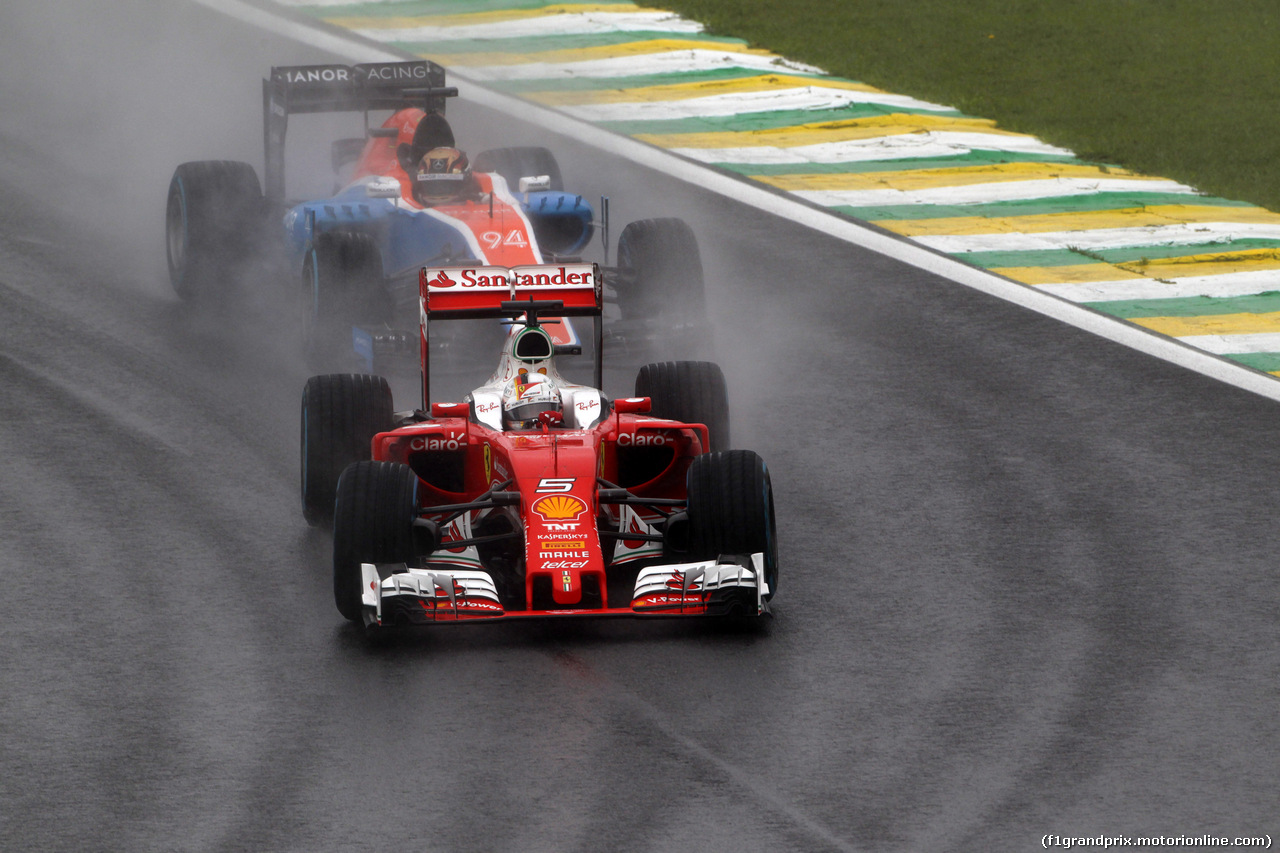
(731, 510)
(341, 413)
(341, 286)
(660, 272)
(373, 523)
(516, 163)
(690, 391)
(213, 218)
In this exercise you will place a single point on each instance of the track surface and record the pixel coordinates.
(1028, 576)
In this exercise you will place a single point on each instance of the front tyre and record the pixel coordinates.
(373, 523)
(692, 392)
(341, 413)
(731, 510)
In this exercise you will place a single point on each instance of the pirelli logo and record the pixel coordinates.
(564, 546)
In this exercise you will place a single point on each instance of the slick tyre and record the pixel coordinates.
(373, 523)
(660, 272)
(213, 217)
(731, 509)
(341, 413)
(341, 286)
(690, 391)
(516, 163)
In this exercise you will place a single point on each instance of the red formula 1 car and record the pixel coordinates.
(535, 496)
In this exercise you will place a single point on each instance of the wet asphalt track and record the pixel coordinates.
(1029, 577)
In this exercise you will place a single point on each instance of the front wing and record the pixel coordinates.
(411, 596)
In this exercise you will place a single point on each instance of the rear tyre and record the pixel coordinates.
(341, 284)
(731, 510)
(373, 523)
(660, 272)
(213, 217)
(340, 416)
(690, 391)
(516, 163)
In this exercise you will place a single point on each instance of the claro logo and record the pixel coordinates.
(635, 439)
(429, 443)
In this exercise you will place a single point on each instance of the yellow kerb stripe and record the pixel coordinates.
(894, 124)
(957, 176)
(464, 19)
(1074, 274)
(1217, 324)
(584, 54)
(1249, 260)
(1139, 217)
(684, 91)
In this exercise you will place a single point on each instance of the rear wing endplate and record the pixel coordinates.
(342, 88)
(493, 292)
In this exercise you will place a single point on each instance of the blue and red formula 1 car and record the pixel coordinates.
(407, 197)
(535, 496)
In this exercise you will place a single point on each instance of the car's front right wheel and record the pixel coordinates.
(372, 523)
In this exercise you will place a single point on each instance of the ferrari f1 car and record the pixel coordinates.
(405, 197)
(535, 496)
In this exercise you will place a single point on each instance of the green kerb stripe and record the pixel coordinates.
(1127, 255)
(1195, 306)
(1266, 361)
(1035, 206)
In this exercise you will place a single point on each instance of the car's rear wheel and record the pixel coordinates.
(341, 286)
(373, 523)
(213, 218)
(730, 510)
(341, 413)
(516, 163)
(689, 391)
(660, 272)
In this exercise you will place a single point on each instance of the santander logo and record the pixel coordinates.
(442, 280)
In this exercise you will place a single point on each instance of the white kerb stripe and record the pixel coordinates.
(769, 100)
(1223, 286)
(1184, 234)
(889, 147)
(667, 62)
(580, 23)
(988, 193)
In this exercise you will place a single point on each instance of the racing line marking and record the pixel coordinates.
(357, 48)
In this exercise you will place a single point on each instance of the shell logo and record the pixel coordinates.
(559, 507)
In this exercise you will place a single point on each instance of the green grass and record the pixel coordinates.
(1183, 89)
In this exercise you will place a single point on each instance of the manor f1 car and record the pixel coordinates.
(534, 496)
(407, 197)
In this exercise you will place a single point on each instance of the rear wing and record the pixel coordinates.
(342, 88)
(492, 292)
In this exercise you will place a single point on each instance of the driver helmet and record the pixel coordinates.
(441, 175)
(528, 395)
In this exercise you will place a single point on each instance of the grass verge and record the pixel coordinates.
(1183, 89)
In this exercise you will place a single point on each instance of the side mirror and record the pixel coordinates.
(535, 183)
(450, 410)
(382, 188)
(632, 405)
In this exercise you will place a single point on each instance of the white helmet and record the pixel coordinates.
(529, 395)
